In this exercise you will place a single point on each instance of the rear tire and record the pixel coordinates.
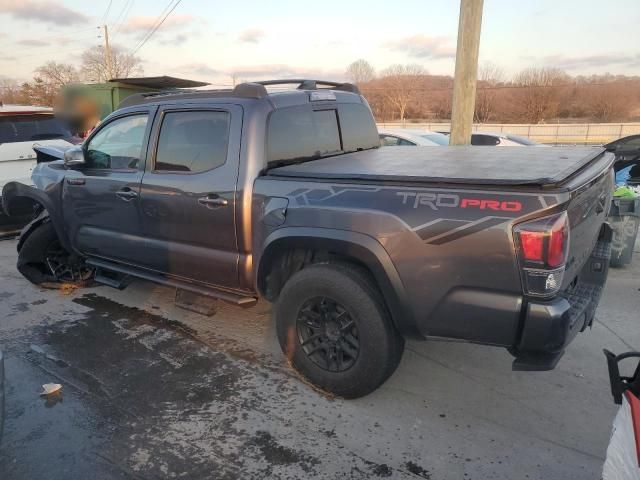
(335, 329)
(43, 261)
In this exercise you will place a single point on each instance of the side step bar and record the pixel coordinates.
(124, 271)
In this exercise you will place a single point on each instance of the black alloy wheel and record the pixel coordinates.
(327, 334)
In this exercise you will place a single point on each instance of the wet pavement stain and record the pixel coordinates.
(280, 455)
(21, 307)
(144, 398)
(417, 470)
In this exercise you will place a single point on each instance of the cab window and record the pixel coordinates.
(118, 145)
(192, 141)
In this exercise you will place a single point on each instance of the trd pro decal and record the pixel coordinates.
(436, 201)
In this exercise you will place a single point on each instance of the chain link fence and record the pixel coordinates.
(552, 134)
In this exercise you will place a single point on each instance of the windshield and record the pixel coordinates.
(437, 138)
(26, 128)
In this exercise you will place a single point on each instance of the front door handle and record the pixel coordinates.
(212, 201)
(126, 194)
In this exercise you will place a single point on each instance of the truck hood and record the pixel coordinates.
(51, 152)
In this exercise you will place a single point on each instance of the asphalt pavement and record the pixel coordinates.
(154, 391)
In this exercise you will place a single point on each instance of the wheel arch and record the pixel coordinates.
(17, 196)
(357, 248)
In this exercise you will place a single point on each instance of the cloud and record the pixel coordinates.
(257, 72)
(251, 35)
(46, 11)
(423, 46)
(32, 42)
(591, 61)
(176, 40)
(141, 24)
(198, 68)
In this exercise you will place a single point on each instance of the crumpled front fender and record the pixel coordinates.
(16, 197)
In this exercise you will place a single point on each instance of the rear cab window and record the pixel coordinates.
(192, 141)
(308, 132)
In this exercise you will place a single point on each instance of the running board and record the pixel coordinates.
(230, 297)
(112, 278)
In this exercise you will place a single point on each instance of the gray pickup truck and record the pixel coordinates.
(286, 194)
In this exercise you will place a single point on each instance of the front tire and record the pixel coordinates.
(335, 329)
(43, 261)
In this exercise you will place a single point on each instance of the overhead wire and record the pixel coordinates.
(150, 34)
(122, 17)
(106, 13)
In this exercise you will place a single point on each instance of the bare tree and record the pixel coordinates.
(539, 94)
(607, 102)
(95, 67)
(490, 76)
(360, 71)
(38, 92)
(399, 83)
(10, 91)
(57, 74)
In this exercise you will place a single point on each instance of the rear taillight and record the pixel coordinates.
(542, 246)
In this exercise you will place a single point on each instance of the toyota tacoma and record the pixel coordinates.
(261, 191)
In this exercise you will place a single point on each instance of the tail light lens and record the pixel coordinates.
(543, 245)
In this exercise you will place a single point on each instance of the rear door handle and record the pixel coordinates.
(126, 194)
(212, 201)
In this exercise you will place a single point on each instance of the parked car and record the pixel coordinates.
(489, 139)
(22, 127)
(243, 193)
(627, 152)
(1, 393)
(397, 137)
(623, 454)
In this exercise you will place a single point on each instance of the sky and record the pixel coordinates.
(215, 40)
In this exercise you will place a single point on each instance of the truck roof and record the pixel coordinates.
(23, 109)
(249, 90)
(456, 164)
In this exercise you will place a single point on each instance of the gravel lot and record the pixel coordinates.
(151, 390)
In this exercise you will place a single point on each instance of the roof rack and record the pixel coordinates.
(246, 90)
(308, 84)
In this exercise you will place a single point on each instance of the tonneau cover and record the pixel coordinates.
(469, 165)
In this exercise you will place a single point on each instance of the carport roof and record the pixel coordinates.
(160, 82)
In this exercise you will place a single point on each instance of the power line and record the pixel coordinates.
(106, 13)
(120, 19)
(153, 25)
(145, 40)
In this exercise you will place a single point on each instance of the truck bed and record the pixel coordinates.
(465, 165)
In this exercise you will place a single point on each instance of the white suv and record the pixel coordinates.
(22, 127)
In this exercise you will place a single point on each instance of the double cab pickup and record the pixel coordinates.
(285, 194)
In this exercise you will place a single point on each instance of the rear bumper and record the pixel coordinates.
(549, 326)
(535, 331)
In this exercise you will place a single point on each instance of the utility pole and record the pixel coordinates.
(464, 82)
(107, 54)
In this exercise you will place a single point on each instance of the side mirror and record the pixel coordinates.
(74, 157)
